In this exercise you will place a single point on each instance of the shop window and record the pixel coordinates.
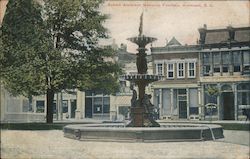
(106, 104)
(98, 105)
(65, 106)
(193, 101)
(40, 106)
(193, 111)
(244, 95)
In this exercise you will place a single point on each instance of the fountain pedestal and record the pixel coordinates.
(137, 116)
(142, 108)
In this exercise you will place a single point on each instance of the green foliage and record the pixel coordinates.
(212, 91)
(77, 27)
(55, 46)
(22, 40)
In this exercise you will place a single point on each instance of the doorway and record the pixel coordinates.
(183, 109)
(228, 105)
(182, 103)
(73, 109)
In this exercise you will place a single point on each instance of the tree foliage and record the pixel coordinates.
(54, 46)
(22, 40)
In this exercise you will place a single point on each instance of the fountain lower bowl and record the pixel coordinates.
(120, 133)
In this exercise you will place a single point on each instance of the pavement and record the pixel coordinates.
(51, 144)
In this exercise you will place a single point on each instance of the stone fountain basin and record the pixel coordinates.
(120, 133)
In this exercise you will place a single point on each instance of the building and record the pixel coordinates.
(225, 65)
(177, 94)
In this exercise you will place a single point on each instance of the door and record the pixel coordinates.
(182, 102)
(228, 105)
(88, 108)
(73, 109)
(183, 109)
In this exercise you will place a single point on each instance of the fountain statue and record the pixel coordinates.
(141, 113)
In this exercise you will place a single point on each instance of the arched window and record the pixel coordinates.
(226, 88)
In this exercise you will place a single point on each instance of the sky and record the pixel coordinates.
(165, 19)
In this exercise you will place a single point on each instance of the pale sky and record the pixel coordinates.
(165, 19)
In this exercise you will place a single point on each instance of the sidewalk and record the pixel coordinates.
(51, 144)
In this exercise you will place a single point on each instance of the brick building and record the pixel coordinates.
(177, 95)
(225, 65)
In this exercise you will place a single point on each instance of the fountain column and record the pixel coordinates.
(141, 108)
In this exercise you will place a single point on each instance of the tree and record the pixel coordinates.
(21, 41)
(66, 56)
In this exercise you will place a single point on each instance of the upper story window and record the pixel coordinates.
(246, 57)
(170, 72)
(246, 62)
(216, 60)
(206, 58)
(180, 70)
(225, 61)
(191, 69)
(236, 61)
(159, 69)
(206, 63)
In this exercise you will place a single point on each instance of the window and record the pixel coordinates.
(246, 62)
(106, 104)
(40, 106)
(206, 70)
(181, 70)
(193, 101)
(236, 61)
(225, 61)
(216, 60)
(98, 105)
(206, 58)
(65, 106)
(246, 57)
(159, 69)
(191, 69)
(244, 94)
(170, 71)
(206, 63)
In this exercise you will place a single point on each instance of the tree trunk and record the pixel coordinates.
(50, 99)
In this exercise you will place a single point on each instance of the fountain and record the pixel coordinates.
(141, 109)
(142, 127)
